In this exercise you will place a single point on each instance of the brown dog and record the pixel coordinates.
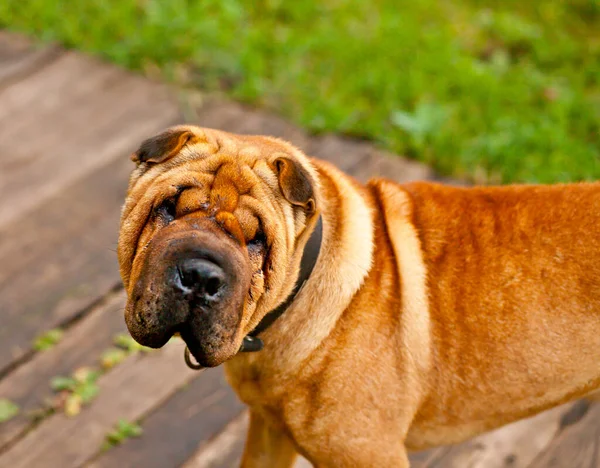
(432, 313)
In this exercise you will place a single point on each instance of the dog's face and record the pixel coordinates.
(211, 236)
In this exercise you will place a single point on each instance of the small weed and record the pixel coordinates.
(112, 357)
(124, 430)
(124, 346)
(75, 391)
(127, 343)
(8, 410)
(48, 340)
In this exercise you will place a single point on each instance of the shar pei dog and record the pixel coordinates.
(360, 321)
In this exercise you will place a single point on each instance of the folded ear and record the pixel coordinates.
(161, 147)
(295, 183)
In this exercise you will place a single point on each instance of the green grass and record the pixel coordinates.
(492, 90)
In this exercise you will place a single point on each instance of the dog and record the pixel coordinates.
(391, 317)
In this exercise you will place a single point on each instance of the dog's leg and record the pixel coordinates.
(403, 459)
(377, 457)
(373, 449)
(267, 446)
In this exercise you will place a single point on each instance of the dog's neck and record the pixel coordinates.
(345, 260)
(348, 248)
(252, 342)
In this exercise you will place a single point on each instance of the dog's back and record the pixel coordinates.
(513, 278)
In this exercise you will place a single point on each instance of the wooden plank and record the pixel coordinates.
(75, 212)
(420, 459)
(82, 345)
(575, 446)
(515, 445)
(237, 118)
(86, 113)
(130, 391)
(195, 413)
(58, 234)
(345, 153)
(383, 164)
(225, 450)
(60, 259)
(232, 117)
(19, 56)
(302, 463)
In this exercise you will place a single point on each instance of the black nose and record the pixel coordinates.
(201, 277)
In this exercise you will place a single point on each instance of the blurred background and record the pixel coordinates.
(498, 91)
(466, 91)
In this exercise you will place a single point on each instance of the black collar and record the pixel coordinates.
(251, 342)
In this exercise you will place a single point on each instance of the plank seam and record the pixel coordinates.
(65, 325)
(206, 449)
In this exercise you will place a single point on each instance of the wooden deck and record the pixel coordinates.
(67, 125)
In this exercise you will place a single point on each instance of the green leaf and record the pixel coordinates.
(123, 431)
(112, 357)
(63, 383)
(48, 339)
(80, 389)
(114, 438)
(127, 343)
(85, 375)
(129, 429)
(8, 410)
(73, 405)
(87, 391)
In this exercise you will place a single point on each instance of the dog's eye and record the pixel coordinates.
(167, 210)
(259, 240)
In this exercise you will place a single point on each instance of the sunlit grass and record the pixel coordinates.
(495, 91)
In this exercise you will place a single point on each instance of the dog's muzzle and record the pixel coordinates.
(194, 282)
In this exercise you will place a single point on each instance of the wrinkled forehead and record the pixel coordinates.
(184, 144)
(189, 156)
(250, 146)
(247, 148)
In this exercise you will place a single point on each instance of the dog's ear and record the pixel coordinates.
(162, 147)
(295, 183)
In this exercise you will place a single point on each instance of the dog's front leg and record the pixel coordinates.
(267, 446)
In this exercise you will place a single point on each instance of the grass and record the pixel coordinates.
(497, 91)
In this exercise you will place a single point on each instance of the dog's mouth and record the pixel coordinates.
(211, 337)
(194, 286)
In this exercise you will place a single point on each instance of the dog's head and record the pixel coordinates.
(211, 236)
